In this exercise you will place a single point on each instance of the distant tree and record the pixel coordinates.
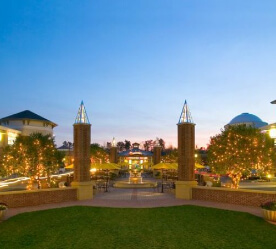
(162, 143)
(35, 156)
(171, 156)
(68, 144)
(148, 145)
(121, 146)
(127, 144)
(239, 149)
(65, 143)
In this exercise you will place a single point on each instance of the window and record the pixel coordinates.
(11, 138)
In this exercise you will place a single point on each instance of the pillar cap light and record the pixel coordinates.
(185, 116)
(157, 143)
(82, 117)
(113, 143)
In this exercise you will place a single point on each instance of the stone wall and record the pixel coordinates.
(37, 197)
(233, 196)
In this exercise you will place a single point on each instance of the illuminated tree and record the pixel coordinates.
(34, 156)
(239, 149)
(98, 154)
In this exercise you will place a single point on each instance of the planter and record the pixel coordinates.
(269, 215)
(2, 214)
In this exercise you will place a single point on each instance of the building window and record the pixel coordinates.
(11, 138)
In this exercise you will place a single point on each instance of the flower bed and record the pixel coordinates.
(269, 211)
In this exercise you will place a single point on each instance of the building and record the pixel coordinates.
(247, 119)
(24, 123)
(135, 157)
(7, 136)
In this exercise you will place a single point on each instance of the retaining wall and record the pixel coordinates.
(38, 197)
(233, 196)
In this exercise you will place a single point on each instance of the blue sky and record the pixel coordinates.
(134, 63)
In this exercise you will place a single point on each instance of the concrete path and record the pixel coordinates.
(135, 198)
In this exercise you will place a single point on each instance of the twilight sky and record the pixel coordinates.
(134, 63)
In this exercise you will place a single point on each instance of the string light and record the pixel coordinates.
(240, 149)
(33, 156)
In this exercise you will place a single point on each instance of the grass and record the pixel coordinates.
(170, 227)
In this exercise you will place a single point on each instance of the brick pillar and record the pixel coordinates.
(82, 138)
(156, 154)
(82, 134)
(113, 155)
(186, 161)
(186, 151)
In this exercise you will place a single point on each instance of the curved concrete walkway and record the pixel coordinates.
(135, 198)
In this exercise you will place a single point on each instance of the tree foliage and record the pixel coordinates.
(148, 145)
(239, 149)
(34, 156)
(121, 146)
(127, 144)
(171, 156)
(98, 154)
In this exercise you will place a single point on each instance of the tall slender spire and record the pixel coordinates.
(185, 116)
(82, 117)
(113, 143)
(157, 142)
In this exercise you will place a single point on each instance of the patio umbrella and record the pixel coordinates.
(71, 166)
(109, 166)
(165, 166)
(199, 166)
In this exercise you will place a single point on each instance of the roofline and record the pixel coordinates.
(46, 120)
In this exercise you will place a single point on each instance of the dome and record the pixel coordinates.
(247, 119)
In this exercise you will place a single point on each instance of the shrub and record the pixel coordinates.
(270, 205)
(3, 206)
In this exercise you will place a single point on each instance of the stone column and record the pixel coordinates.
(156, 154)
(186, 155)
(82, 140)
(82, 134)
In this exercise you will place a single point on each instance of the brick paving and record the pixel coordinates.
(135, 198)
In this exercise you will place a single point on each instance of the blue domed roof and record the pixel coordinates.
(249, 119)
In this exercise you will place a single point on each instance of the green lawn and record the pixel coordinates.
(171, 227)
